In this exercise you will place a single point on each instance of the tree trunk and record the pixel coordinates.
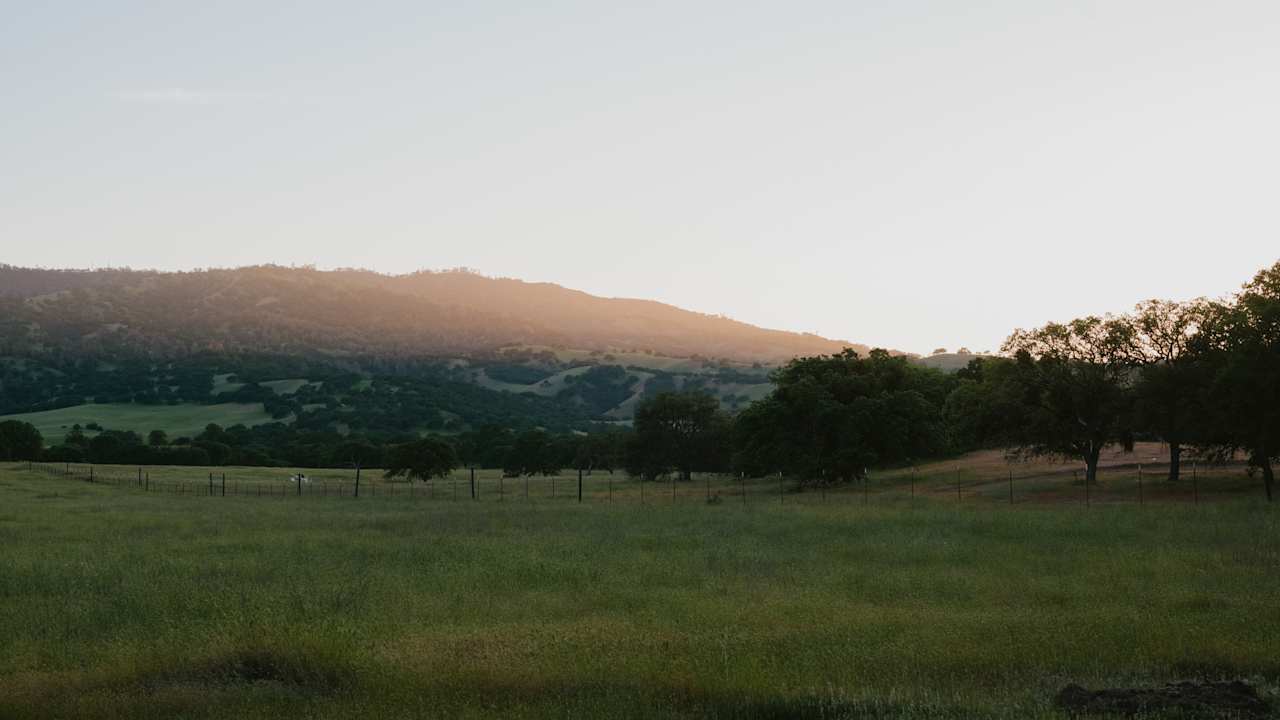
(1091, 464)
(1175, 461)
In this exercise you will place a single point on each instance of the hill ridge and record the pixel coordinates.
(274, 308)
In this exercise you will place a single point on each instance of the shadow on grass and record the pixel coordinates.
(263, 683)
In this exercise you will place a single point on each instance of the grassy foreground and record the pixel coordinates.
(119, 603)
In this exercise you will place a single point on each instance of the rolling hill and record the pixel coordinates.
(303, 311)
(437, 351)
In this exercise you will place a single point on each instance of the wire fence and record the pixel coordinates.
(1133, 484)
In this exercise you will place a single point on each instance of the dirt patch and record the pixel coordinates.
(256, 668)
(1184, 699)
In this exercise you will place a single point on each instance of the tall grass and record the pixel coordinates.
(119, 603)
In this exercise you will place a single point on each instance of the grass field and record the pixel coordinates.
(177, 420)
(120, 603)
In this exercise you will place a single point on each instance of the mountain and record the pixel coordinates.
(339, 313)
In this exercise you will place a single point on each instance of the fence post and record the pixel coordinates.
(224, 484)
(90, 473)
(139, 476)
(708, 488)
(147, 480)
(610, 486)
(1139, 485)
(1195, 483)
(579, 484)
(865, 478)
(357, 479)
(299, 485)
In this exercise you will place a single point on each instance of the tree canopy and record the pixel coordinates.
(682, 432)
(422, 460)
(832, 417)
(20, 441)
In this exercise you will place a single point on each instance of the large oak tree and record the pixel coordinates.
(1074, 380)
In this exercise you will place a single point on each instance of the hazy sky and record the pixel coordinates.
(906, 174)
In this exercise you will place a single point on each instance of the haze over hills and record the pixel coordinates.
(342, 312)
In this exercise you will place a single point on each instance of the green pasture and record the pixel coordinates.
(116, 602)
(177, 420)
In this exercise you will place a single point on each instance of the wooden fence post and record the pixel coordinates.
(1195, 482)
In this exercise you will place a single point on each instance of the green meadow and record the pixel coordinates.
(116, 602)
(177, 420)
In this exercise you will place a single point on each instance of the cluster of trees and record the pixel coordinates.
(1201, 375)
(19, 441)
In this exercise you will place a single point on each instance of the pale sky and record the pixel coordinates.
(906, 174)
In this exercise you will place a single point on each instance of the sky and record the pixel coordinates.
(906, 174)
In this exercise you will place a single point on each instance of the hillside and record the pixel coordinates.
(353, 349)
(302, 311)
(948, 362)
